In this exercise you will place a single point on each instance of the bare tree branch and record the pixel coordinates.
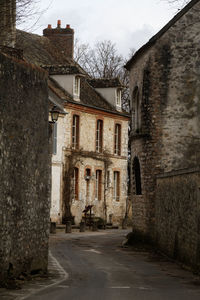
(103, 61)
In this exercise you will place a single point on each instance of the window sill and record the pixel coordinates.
(76, 97)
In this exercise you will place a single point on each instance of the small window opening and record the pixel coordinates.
(137, 175)
(77, 87)
(118, 97)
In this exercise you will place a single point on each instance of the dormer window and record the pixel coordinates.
(76, 91)
(118, 97)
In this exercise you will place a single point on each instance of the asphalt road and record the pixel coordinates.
(100, 269)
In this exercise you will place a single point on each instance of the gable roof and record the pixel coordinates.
(40, 51)
(88, 95)
(153, 40)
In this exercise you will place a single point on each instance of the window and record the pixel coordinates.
(55, 138)
(136, 170)
(75, 132)
(87, 179)
(98, 184)
(87, 174)
(117, 137)
(75, 184)
(118, 97)
(76, 87)
(99, 136)
(116, 188)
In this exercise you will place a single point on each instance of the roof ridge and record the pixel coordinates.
(155, 37)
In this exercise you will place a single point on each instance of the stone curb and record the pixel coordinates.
(56, 275)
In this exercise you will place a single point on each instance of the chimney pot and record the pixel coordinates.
(49, 26)
(67, 26)
(59, 24)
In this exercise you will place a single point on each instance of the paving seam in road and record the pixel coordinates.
(61, 271)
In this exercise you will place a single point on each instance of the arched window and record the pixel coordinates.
(137, 175)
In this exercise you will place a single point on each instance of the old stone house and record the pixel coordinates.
(165, 136)
(89, 161)
(24, 158)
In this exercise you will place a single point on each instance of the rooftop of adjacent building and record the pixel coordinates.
(40, 51)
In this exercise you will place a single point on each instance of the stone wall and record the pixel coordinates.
(167, 76)
(177, 230)
(25, 168)
(8, 22)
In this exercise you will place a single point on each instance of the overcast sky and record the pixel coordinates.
(127, 23)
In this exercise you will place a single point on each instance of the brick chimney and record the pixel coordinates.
(62, 38)
(8, 23)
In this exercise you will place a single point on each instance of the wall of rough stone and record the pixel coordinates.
(168, 79)
(8, 23)
(177, 230)
(25, 168)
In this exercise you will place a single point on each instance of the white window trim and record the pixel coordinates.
(76, 88)
(118, 97)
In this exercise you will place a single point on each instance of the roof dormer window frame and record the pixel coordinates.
(118, 98)
(76, 88)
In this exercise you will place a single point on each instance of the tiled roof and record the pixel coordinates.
(40, 51)
(91, 97)
(63, 69)
(105, 82)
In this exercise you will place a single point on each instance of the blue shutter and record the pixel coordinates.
(54, 138)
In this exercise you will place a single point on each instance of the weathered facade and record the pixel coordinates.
(8, 23)
(24, 160)
(165, 136)
(89, 162)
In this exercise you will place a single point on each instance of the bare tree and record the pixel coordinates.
(103, 61)
(25, 9)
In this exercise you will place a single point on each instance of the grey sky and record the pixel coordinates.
(127, 23)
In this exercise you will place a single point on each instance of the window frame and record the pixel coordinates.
(98, 185)
(76, 88)
(99, 136)
(75, 131)
(117, 139)
(116, 185)
(118, 97)
(75, 183)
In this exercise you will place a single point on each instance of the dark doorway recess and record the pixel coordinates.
(137, 173)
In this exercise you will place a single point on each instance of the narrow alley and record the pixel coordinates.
(94, 265)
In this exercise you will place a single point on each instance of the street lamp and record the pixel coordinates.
(54, 115)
